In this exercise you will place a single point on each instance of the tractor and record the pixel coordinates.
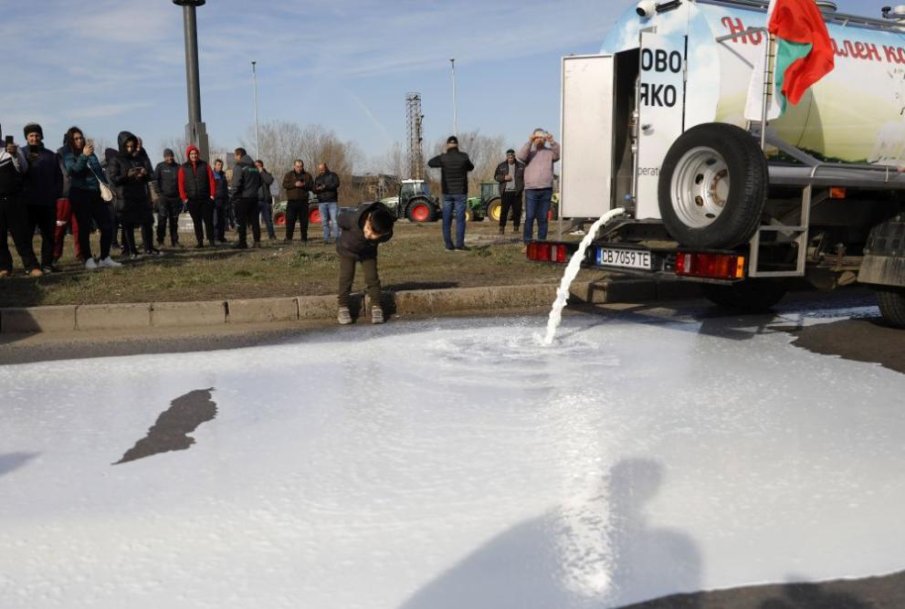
(487, 205)
(414, 202)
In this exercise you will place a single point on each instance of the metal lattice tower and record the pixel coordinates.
(413, 128)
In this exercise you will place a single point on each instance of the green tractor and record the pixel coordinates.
(414, 202)
(485, 206)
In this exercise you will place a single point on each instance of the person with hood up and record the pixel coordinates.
(196, 189)
(13, 215)
(246, 184)
(85, 174)
(166, 176)
(43, 186)
(129, 174)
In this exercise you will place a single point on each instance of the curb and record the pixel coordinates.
(67, 318)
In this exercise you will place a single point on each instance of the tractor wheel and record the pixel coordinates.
(494, 209)
(314, 215)
(469, 214)
(751, 295)
(892, 305)
(420, 210)
(712, 188)
(279, 218)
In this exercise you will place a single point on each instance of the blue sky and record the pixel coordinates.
(109, 65)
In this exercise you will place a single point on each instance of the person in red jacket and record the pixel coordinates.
(197, 189)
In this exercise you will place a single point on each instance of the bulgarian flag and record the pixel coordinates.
(804, 55)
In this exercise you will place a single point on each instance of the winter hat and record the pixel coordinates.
(33, 128)
(168, 152)
(452, 140)
(510, 151)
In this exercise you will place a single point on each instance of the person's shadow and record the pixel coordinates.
(813, 596)
(648, 562)
(612, 559)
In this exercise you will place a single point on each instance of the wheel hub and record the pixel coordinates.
(700, 186)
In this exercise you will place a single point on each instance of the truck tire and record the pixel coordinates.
(420, 210)
(494, 209)
(712, 188)
(892, 305)
(751, 295)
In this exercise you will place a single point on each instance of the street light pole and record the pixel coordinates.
(452, 63)
(254, 76)
(195, 130)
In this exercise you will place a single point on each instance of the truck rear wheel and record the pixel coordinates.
(751, 295)
(494, 209)
(892, 305)
(712, 188)
(420, 210)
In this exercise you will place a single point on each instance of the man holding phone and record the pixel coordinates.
(13, 215)
(538, 155)
(42, 187)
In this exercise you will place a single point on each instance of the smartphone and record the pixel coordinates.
(9, 140)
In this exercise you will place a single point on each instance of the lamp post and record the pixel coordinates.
(452, 64)
(195, 130)
(254, 77)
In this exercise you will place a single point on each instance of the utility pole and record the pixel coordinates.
(452, 63)
(195, 130)
(254, 77)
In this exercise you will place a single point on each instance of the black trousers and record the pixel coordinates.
(147, 236)
(168, 210)
(247, 213)
(221, 218)
(297, 211)
(43, 218)
(511, 200)
(202, 211)
(347, 277)
(14, 221)
(87, 205)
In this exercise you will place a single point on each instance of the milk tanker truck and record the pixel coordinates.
(656, 124)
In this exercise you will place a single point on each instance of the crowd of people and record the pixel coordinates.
(50, 192)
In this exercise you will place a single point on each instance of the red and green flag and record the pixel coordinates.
(804, 55)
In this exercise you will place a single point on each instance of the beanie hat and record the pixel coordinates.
(452, 140)
(33, 128)
(510, 151)
(168, 152)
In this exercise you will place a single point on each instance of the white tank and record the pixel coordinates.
(855, 114)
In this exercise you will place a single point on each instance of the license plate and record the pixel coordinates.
(624, 258)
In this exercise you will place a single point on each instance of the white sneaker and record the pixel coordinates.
(90, 264)
(343, 316)
(108, 263)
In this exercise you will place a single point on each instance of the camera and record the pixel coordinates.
(646, 8)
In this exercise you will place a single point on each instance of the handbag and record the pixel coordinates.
(106, 191)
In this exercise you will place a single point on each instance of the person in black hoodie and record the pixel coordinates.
(13, 215)
(166, 176)
(244, 189)
(41, 189)
(130, 175)
(363, 229)
(454, 167)
(265, 199)
(197, 188)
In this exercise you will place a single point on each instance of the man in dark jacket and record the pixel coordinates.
(326, 187)
(221, 202)
(244, 187)
(42, 187)
(196, 189)
(511, 176)
(13, 215)
(265, 199)
(166, 175)
(363, 229)
(298, 185)
(454, 167)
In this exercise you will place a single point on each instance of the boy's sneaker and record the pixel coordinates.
(90, 265)
(376, 315)
(343, 316)
(108, 263)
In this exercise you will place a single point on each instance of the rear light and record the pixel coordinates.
(543, 251)
(711, 266)
(837, 192)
